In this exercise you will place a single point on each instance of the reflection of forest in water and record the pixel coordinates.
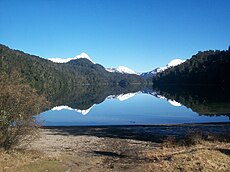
(208, 100)
(84, 96)
(205, 100)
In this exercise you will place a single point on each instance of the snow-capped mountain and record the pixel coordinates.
(121, 69)
(172, 63)
(80, 56)
(151, 73)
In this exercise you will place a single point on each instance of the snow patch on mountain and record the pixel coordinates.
(58, 108)
(85, 112)
(175, 62)
(121, 69)
(172, 63)
(174, 103)
(122, 97)
(80, 56)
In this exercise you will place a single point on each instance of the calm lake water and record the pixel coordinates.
(144, 107)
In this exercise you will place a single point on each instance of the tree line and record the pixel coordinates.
(204, 68)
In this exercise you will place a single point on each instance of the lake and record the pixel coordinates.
(137, 106)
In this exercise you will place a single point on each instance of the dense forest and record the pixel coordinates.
(204, 68)
(52, 78)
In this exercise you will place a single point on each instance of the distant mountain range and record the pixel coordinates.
(121, 69)
(51, 78)
(55, 74)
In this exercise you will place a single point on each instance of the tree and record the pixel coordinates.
(18, 104)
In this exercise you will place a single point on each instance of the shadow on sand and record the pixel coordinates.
(154, 133)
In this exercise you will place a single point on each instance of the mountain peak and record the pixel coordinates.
(172, 63)
(121, 69)
(124, 69)
(175, 62)
(83, 55)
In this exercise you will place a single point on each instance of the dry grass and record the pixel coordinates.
(195, 137)
(197, 151)
(27, 161)
(88, 153)
(205, 156)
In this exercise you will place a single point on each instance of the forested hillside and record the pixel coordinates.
(205, 68)
(51, 78)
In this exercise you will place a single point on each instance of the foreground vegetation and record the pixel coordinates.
(57, 151)
(18, 104)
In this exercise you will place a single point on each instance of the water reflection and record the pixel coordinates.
(83, 98)
(83, 112)
(204, 100)
(209, 101)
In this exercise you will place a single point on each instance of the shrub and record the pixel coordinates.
(18, 104)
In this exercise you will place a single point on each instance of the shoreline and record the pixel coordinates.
(152, 133)
(123, 148)
(142, 125)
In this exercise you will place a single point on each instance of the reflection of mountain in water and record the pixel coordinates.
(121, 97)
(63, 107)
(83, 98)
(205, 100)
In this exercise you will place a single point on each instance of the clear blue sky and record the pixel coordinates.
(140, 34)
